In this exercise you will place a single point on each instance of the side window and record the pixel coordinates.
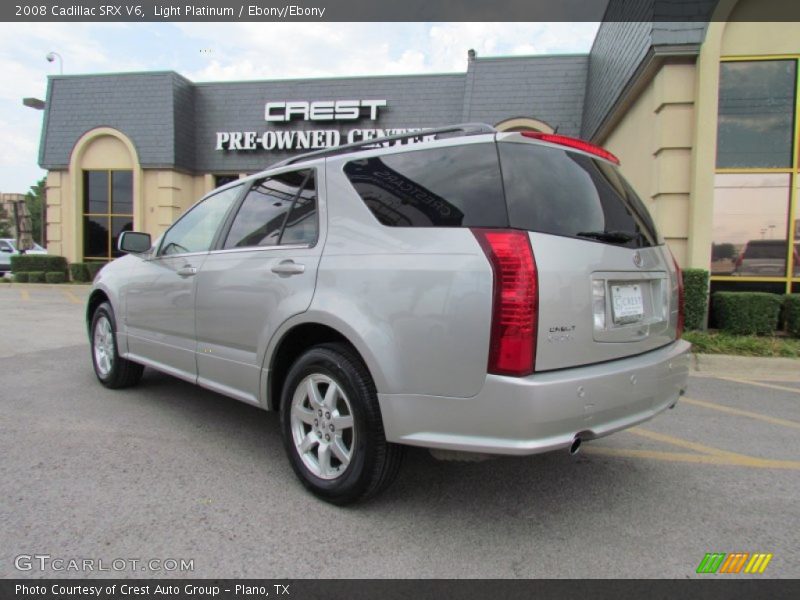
(195, 230)
(277, 210)
(458, 186)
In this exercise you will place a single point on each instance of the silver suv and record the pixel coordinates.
(475, 291)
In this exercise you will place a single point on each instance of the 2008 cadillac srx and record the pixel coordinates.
(486, 292)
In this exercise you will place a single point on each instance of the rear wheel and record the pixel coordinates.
(332, 427)
(111, 369)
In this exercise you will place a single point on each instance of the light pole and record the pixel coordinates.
(51, 56)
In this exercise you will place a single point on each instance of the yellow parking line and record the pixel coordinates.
(760, 384)
(681, 443)
(742, 413)
(25, 294)
(72, 297)
(737, 460)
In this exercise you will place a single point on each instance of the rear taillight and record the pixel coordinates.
(681, 298)
(571, 142)
(515, 303)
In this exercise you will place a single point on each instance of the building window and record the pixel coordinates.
(220, 180)
(756, 232)
(107, 212)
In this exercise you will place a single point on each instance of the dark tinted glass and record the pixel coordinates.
(565, 193)
(261, 217)
(118, 225)
(444, 187)
(122, 192)
(95, 192)
(220, 180)
(756, 108)
(95, 237)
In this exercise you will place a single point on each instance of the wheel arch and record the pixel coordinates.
(295, 340)
(96, 298)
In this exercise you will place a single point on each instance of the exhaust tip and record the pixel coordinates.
(575, 447)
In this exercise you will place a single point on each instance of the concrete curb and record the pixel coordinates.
(746, 367)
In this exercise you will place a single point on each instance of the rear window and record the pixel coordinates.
(458, 186)
(565, 193)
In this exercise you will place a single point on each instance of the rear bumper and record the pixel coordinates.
(544, 411)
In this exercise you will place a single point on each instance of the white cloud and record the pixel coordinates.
(242, 51)
(296, 50)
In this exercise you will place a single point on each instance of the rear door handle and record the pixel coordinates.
(288, 267)
(187, 271)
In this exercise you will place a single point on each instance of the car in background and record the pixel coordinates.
(8, 248)
(764, 258)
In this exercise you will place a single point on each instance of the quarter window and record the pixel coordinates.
(278, 210)
(195, 231)
(443, 187)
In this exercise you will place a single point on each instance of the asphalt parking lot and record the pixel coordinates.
(169, 471)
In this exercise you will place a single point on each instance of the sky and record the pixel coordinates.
(241, 51)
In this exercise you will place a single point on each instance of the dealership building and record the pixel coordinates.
(702, 115)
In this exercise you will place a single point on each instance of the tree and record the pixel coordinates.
(35, 199)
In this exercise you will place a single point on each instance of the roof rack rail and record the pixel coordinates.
(463, 129)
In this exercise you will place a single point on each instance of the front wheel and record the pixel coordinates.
(332, 426)
(111, 369)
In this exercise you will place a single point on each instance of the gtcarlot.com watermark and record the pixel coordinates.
(56, 564)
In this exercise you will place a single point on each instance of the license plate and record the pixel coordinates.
(627, 303)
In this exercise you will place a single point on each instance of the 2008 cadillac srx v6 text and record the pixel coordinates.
(482, 291)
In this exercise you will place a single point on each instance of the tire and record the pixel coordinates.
(111, 369)
(338, 450)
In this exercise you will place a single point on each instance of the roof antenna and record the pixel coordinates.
(556, 129)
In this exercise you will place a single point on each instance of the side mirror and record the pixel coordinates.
(134, 241)
(6, 250)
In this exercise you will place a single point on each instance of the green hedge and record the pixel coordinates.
(55, 277)
(78, 272)
(93, 268)
(695, 289)
(21, 277)
(36, 276)
(38, 262)
(791, 314)
(746, 313)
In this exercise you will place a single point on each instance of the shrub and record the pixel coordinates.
(38, 262)
(79, 272)
(55, 277)
(21, 277)
(746, 312)
(695, 289)
(93, 268)
(36, 276)
(791, 314)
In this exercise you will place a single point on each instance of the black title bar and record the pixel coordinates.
(377, 10)
(712, 588)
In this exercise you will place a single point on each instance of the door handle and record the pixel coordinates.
(288, 267)
(187, 271)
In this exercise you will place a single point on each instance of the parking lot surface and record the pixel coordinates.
(166, 470)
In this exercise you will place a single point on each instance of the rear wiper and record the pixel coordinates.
(615, 237)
